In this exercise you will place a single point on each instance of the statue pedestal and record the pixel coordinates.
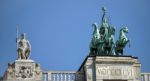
(111, 68)
(23, 70)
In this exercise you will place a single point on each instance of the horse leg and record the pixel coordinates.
(111, 51)
(99, 50)
(117, 53)
(129, 43)
(121, 51)
(91, 50)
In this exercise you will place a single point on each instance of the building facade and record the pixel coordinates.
(105, 62)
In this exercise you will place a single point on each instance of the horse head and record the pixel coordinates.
(96, 34)
(124, 29)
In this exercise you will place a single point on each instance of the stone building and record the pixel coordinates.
(105, 62)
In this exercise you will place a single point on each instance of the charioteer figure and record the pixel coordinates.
(104, 25)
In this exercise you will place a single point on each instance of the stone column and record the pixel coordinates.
(148, 77)
(61, 76)
(65, 77)
(142, 77)
(69, 77)
(45, 76)
(54, 77)
(145, 77)
(72, 77)
(49, 76)
(57, 76)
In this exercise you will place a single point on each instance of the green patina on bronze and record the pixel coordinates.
(103, 40)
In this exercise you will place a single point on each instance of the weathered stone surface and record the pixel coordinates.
(100, 68)
(23, 70)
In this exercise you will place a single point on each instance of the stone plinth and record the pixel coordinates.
(23, 70)
(111, 68)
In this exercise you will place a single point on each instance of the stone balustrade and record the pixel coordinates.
(145, 76)
(63, 76)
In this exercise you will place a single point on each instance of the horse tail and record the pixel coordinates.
(129, 43)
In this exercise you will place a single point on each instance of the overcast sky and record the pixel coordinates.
(60, 30)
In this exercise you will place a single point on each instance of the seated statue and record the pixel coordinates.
(24, 47)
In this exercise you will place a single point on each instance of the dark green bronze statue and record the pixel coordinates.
(109, 43)
(103, 41)
(123, 40)
(96, 44)
(104, 26)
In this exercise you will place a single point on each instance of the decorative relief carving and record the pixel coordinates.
(89, 74)
(137, 73)
(10, 70)
(115, 71)
(24, 72)
(37, 69)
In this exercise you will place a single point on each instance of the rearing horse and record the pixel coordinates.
(95, 40)
(123, 40)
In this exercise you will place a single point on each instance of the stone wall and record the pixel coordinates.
(23, 70)
(101, 68)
